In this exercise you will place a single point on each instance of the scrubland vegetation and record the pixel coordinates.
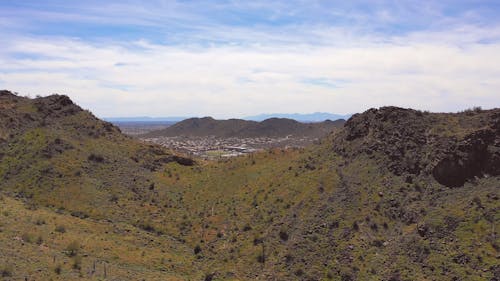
(79, 200)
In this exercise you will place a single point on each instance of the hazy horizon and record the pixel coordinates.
(230, 59)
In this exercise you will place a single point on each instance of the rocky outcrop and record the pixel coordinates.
(395, 132)
(56, 106)
(411, 142)
(154, 157)
(475, 156)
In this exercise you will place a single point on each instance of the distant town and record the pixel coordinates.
(178, 136)
(212, 148)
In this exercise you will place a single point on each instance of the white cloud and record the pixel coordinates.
(148, 79)
(289, 60)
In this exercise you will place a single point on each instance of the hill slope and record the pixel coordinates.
(72, 170)
(397, 194)
(274, 127)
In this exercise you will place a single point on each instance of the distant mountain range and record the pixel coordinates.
(310, 117)
(272, 127)
(143, 119)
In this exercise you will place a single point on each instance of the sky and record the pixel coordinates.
(238, 58)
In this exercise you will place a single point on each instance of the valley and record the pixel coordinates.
(212, 139)
(249, 140)
(393, 194)
(212, 148)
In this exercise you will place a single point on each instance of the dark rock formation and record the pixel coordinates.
(56, 106)
(412, 145)
(477, 155)
(395, 132)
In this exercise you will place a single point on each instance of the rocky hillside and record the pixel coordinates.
(453, 148)
(50, 148)
(274, 127)
(414, 196)
(396, 194)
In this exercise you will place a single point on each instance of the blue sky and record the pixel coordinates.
(237, 58)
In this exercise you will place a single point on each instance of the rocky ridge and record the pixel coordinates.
(415, 142)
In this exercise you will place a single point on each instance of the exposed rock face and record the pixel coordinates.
(413, 143)
(477, 155)
(56, 106)
(155, 157)
(398, 133)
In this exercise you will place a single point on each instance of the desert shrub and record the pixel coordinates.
(209, 277)
(72, 248)
(377, 243)
(28, 237)
(197, 249)
(77, 262)
(149, 227)
(58, 269)
(40, 221)
(79, 214)
(346, 277)
(6, 271)
(32, 206)
(417, 186)
(283, 235)
(257, 241)
(472, 110)
(96, 158)
(288, 258)
(299, 272)
(355, 226)
(60, 228)
(334, 224)
(395, 277)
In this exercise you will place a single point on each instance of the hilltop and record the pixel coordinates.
(274, 127)
(395, 194)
